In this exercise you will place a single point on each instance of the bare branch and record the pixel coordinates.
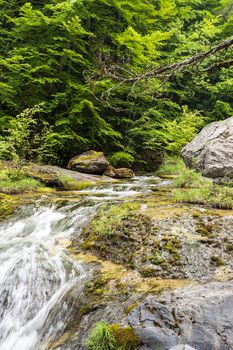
(219, 65)
(122, 75)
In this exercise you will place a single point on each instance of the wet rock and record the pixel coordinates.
(197, 247)
(90, 162)
(121, 173)
(54, 176)
(182, 347)
(199, 316)
(110, 171)
(124, 173)
(211, 151)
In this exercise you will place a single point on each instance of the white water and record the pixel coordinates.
(36, 272)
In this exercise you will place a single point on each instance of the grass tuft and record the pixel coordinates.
(172, 166)
(112, 337)
(13, 182)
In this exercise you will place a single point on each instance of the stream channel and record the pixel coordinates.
(37, 272)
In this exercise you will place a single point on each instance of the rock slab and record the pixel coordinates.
(199, 316)
(211, 151)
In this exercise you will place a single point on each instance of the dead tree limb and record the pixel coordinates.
(120, 74)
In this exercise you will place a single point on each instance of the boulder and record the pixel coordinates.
(182, 347)
(110, 171)
(90, 162)
(121, 173)
(124, 173)
(199, 316)
(211, 151)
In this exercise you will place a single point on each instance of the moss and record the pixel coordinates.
(205, 230)
(7, 205)
(146, 271)
(229, 247)
(217, 261)
(84, 158)
(170, 247)
(156, 258)
(67, 183)
(97, 285)
(125, 337)
(109, 217)
(131, 308)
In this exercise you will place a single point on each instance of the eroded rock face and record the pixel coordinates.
(90, 162)
(196, 247)
(199, 316)
(211, 151)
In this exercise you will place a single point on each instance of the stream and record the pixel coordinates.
(37, 272)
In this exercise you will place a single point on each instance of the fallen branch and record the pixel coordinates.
(121, 75)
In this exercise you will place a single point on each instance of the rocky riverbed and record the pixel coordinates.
(123, 253)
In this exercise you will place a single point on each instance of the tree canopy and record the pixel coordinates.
(59, 61)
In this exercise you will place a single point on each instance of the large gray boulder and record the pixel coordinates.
(200, 316)
(211, 151)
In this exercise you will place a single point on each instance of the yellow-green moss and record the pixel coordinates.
(7, 205)
(84, 158)
(216, 260)
(108, 217)
(125, 337)
(131, 308)
(67, 183)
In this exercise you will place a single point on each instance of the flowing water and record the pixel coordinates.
(36, 271)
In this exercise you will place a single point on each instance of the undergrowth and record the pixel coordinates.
(14, 182)
(172, 166)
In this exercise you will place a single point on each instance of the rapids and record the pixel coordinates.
(36, 270)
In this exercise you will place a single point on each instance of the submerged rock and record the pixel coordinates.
(90, 162)
(199, 316)
(211, 151)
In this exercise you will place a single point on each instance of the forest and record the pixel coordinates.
(116, 175)
(72, 77)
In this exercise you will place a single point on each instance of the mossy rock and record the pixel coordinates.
(90, 162)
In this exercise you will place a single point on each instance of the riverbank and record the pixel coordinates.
(110, 252)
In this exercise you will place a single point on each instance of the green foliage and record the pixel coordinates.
(189, 178)
(182, 130)
(13, 182)
(121, 159)
(172, 166)
(112, 337)
(101, 338)
(26, 137)
(215, 196)
(50, 110)
(191, 187)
